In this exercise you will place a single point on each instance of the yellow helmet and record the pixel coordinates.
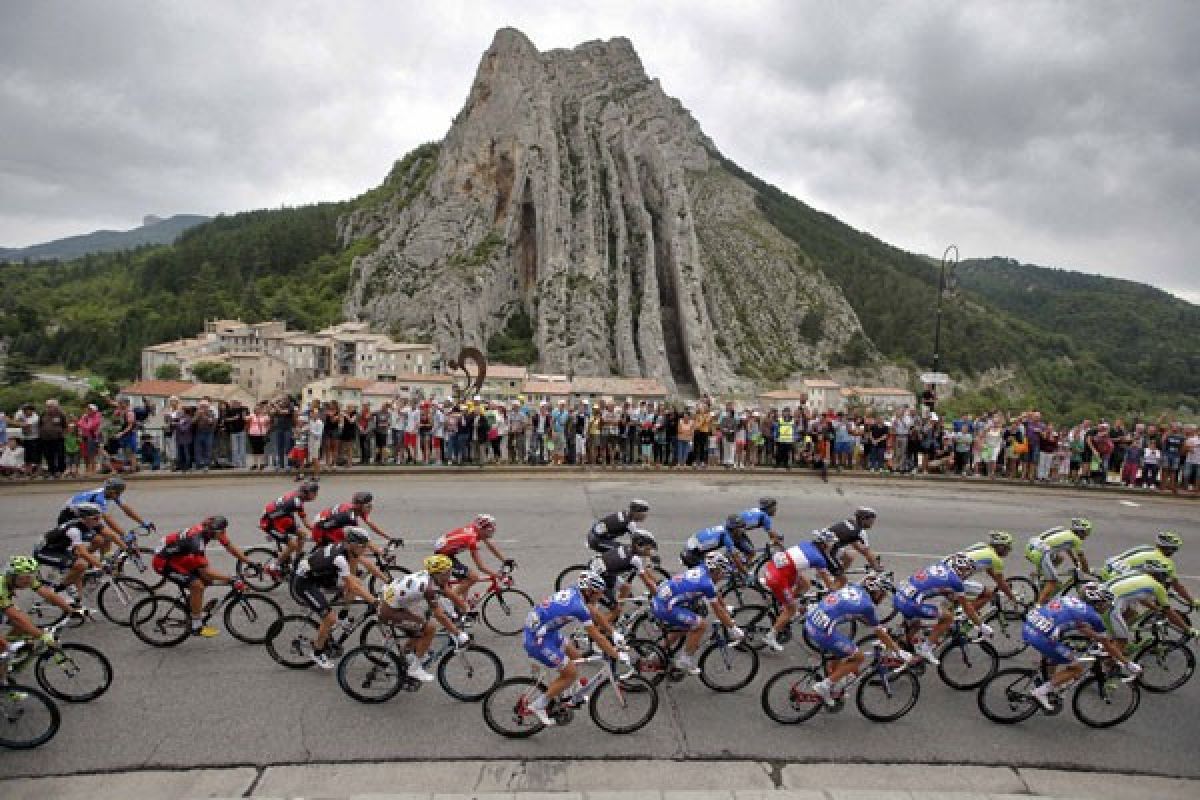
(437, 564)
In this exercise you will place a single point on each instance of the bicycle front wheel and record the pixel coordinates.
(566, 579)
(290, 641)
(249, 617)
(1006, 632)
(967, 664)
(258, 578)
(788, 697)
(161, 621)
(625, 706)
(469, 673)
(506, 709)
(886, 698)
(728, 667)
(73, 672)
(1102, 702)
(505, 611)
(1165, 665)
(370, 674)
(117, 598)
(1007, 697)
(28, 718)
(757, 622)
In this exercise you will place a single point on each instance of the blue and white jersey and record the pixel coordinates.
(756, 518)
(715, 538)
(934, 580)
(91, 496)
(686, 586)
(557, 610)
(849, 602)
(1061, 615)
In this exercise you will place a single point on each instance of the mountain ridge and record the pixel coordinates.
(153, 230)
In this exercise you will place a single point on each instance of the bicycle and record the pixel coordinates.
(963, 662)
(507, 709)
(74, 673)
(138, 557)
(28, 718)
(887, 690)
(725, 665)
(1167, 663)
(568, 577)
(291, 639)
(107, 588)
(375, 673)
(1007, 698)
(502, 606)
(386, 561)
(162, 621)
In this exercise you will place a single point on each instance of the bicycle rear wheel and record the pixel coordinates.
(137, 568)
(505, 611)
(28, 718)
(258, 578)
(967, 664)
(290, 641)
(728, 667)
(249, 618)
(370, 674)
(788, 697)
(756, 621)
(625, 706)
(506, 708)
(1105, 702)
(1006, 632)
(1165, 665)
(161, 621)
(566, 579)
(1007, 697)
(469, 673)
(117, 598)
(73, 672)
(885, 698)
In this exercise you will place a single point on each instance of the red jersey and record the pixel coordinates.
(330, 523)
(457, 540)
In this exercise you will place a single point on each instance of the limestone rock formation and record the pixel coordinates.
(572, 186)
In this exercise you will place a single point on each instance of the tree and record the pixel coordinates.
(17, 370)
(169, 372)
(213, 372)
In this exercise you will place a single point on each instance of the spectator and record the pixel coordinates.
(347, 435)
(234, 417)
(1047, 452)
(425, 431)
(331, 434)
(1172, 455)
(52, 429)
(170, 414)
(685, 436)
(381, 423)
(184, 435)
(316, 438)
(12, 459)
(453, 421)
(438, 414)
(1191, 459)
(72, 445)
(1133, 456)
(27, 418)
(785, 436)
(126, 435)
(901, 427)
(204, 425)
(3, 429)
(364, 434)
(516, 433)
(149, 454)
(704, 426)
(558, 432)
(258, 428)
(283, 423)
(878, 433)
(1151, 457)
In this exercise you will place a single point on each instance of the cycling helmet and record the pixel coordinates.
(864, 513)
(1000, 539)
(1169, 539)
(590, 581)
(362, 498)
(1081, 526)
(825, 537)
(436, 564)
(768, 504)
(644, 538)
(639, 506)
(716, 560)
(215, 523)
(878, 582)
(114, 485)
(961, 563)
(310, 488)
(485, 523)
(735, 524)
(1159, 570)
(1094, 594)
(22, 565)
(87, 510)
(356, 535)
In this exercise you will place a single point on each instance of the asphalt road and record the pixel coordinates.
(218, 702)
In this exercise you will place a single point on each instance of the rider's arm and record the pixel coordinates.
(600, 639)
(111, 535)
(111, 522)
(1105, 641)
(51, 596)
(1002, 585)
(648, 579)
(235, 551)
(378, 531)
(84, 551)
(439, 613)
(718, 607)
(1182, 591)
(866, 553)
(479, 563)
(129, 512)
(495, 550)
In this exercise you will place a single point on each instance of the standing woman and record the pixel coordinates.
(316, 438)
(500, 440)
(684, 436)
(258, 425)
(184, 435)
(347, 435)
(329, 434)
(89, 434)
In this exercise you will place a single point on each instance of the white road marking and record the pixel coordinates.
(1130, 503)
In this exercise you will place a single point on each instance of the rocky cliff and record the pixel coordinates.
(572, 186)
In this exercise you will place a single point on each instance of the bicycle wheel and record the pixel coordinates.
(290, 641)
(1007, 696)
(118, 596)
(728, 667)
(1006, 632)
(1165, 665)
(885, 609)
(469, 673)
(788, 697)
(139, 568)
(1026, 593)
(258, 578)
(649, 660)
(371, 674)
(42, 613)
(646, 626)
(625, 706)
(505, 611)
(73, 672)
(885, 698)
(566, 579)
(756, 621)
(161, 621)
(28, 718)
(967, 664)
(249, 617)
(506, 708)
(738, 596)
(393, 572)
(1105, 702)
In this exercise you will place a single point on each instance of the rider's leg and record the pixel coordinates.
(324, 629)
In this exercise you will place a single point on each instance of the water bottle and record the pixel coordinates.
(341, 626)
(578, 692)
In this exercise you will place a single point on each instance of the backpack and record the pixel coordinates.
(56, 539)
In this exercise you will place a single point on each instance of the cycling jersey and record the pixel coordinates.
(607, 529)
(820, 623)
(618, 564)
(543, 641)
(410, 591)
(457, 540)
(936, 581)
(1132, 559)
(7, 592)
(1053, 543)
(279, 516)
(756, 518)
(711, 539)
(1131, 591)
(96, 496)
(1045, 626)
(783, 568)
(65, 537)
(180, 556)
(985, 557)
(330, 524)
(326, 566)
(671, 600)
(848, 532)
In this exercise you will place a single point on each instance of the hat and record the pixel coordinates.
(476, 398)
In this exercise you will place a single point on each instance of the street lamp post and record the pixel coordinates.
(937, 328)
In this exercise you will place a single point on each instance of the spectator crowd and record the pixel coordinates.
(325, 436)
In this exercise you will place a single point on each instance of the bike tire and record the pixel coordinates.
(874, 690)
(146, 575)
(28, 717)
(249, 618)
(506, 709)
(117, 598)
(649, 660)
(1006, 638)
(967, 665)
(728, 667)
(258, 579)
(787, 697)
(290, 641)
(1005, 698)
(631, 693)
(469, 673)
(1026, 592)
(1115, 697)
(371, 674)
(42, 613)
(567, 578)
(1166, 665)
(757, 622)
(161, 621)
(74, 673)
(505, 611)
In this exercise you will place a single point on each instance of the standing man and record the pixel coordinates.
(785, 439)
(903, 426)
(27, 418)
(729, 426)
(52, 431)
(235, 426)
(204, 425)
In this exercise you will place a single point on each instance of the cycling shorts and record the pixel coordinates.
(836, 644)
(59, 559)
(781, 583)
(180, 570)
(601, 544)
(910, 609)
(678, 616)
(1055, 651)
(547, 650)
(459, 571)
(311, 594)
(972, 589)
(279, 528)
(1044, 562)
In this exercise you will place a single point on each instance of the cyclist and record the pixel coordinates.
(917, 599)
(1045, 551)
(469, 537)
(279, 522)
(606, 530)
(181, 560)
(1143, 588)
(1166, 545)
(761, 516)
(855, 601)
(619, 565)
(332, 523)
(110, 492)
(784, 577)
(1046, 625)
(672, 601)
(731, 536)
(989, 557)
(331, 567)
(407, 602)
(851, 533)
(70, 547)
(544, 642)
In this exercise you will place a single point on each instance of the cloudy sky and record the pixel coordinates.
(1058, 133)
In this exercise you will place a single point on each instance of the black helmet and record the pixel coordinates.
(863, 513)
(735, 524)
(768, 504)
(642, 538)
(216, 523)
(362, 498)
(310, 488)
(639, 506)
(114, 485)
(356, 535)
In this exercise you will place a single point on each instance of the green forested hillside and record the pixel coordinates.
(155, 231)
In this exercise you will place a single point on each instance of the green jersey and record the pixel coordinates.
(1055, 540)
(1132, 559)
(985, 557)
(7, 590)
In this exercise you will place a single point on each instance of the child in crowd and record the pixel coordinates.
(1151, 456)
